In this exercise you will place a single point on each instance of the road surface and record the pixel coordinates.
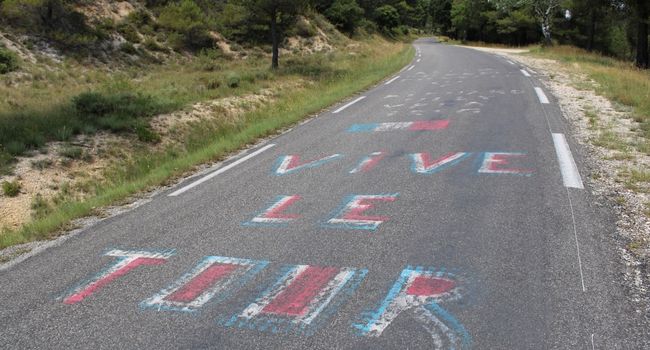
(443, 209)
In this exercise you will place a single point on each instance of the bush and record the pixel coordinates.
(129, 33)
(145, 134)
(140, 18)
(152, 45)
(127, 47)
(233, 80)
(11, 189)
(187, 20)
(386, 17)
(345, 14)
(8, 61)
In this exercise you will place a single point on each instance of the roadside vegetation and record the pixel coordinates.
(102, 100)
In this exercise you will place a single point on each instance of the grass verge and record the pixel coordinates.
(617, 80)
(333, 77)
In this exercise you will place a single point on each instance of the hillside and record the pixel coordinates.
(127, 103)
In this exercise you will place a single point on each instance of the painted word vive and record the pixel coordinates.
(487, 163)
(299, 299)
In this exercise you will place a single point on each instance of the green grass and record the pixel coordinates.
(333, 76)
(11, 188)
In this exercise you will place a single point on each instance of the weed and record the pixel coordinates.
(8, 61)
(40, 206)
(145, 134)
(71, 152)
(41, 164)
(64, 133)
(11, 189)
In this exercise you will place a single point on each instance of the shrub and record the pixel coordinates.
(40, 206)
(15, 148)
(187, 20)
(127, 47)
(152, 45)
(11, 189)
(129, 33)
(41, 164)
(8, 61)
(233, 80)
(145, 134)
(140, 18)
(386, 17)
(64, 133)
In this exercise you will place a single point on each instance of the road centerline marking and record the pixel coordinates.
(220, 171)
(541, 95)
(348, 105)
(568, 168)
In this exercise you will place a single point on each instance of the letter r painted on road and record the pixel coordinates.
(275, 215)
(214, 279)
(349, 215)
(126, 261)
(420, 291)
(300, 300)
(497, 163)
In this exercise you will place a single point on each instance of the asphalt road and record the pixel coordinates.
(462, 233)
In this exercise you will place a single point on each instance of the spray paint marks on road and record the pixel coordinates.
(420, 292)
(300, 301)
(290, 164)
(368, 163)
(350, 214)
(214, 279)
(274, 214)
(498, 163)
(422, 125)
(423, 164)
(126, 260)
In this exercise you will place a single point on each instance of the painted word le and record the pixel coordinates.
(420, 291)
(126, 261)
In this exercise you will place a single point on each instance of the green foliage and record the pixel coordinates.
(188, 22)
(11, 189)
(8, 61)
(345, 14)
(130, 33)
(386, 17)
(71, 152)
(233, 80)
(145, 134)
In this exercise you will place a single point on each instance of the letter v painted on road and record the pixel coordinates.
(422, 163)
(289, 164)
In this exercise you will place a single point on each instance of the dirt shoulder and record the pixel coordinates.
(605, 130)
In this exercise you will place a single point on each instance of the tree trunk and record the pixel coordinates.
(276, 41)
(546, 31)
(642, 34)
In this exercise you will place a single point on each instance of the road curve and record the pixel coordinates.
(442, 209)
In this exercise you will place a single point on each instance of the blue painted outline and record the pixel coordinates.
(440, 168)
(370, 318)
(359, 128)
(278, 324)
(341, 209)
(234, 286)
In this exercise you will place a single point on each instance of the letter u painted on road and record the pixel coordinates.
(213, 279)
(300, 300)
(420, 292)
(126, 261)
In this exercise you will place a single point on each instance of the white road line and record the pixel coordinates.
(411, 67)
(525, 72)
(220, 171)
(349, 104)
(593, 347)
(568, 168)
(418, 61)
(541, 96)
(509, 61)
(392, 80)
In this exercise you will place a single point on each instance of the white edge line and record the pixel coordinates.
(392, 80)
(349, 104)
(509, 61)
(419, 59)
(411, 67)
(220, 171)
(541, 95)
(525, 72)
(568, 167)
